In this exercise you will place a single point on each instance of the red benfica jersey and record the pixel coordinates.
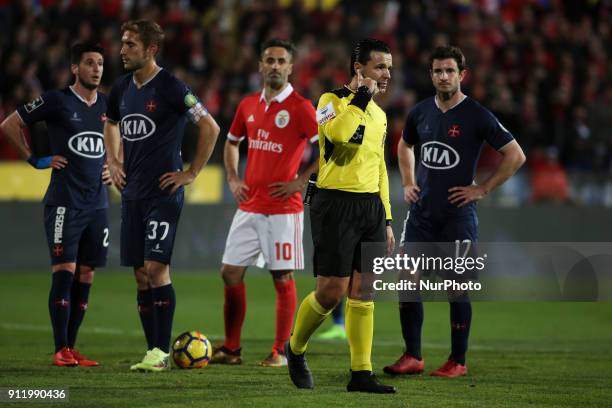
(277, 134)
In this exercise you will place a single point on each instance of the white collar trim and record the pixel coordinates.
(284, 94)
(85, 101)
(147, 81)
(452, 107)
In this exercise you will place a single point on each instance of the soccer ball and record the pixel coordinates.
(191, 350)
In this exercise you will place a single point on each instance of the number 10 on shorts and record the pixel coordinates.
(284, 250)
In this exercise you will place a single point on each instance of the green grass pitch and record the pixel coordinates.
(521, 354)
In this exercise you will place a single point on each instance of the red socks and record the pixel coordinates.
(234, 310)
(286, 301)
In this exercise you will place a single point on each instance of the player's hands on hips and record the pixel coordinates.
(115, 167)
(285, 189)
(390, 240)
(369, 82)
(106, 176)
(461, 196)
(239, 189)
(411, 193)
(176, 179)
(58, 162)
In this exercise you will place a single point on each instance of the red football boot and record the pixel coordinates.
(64, 357)
(450, 369)
(406, 364)
(82, 360)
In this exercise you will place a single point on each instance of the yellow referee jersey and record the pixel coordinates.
(352, 131)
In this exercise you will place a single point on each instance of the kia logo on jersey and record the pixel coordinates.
(440, 156)
(87, 144)
(136, 126)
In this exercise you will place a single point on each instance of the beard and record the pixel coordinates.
(275, 82)
(88, 85)
(135, 64)
(445, 96)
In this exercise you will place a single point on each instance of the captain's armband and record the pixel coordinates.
(196, 110)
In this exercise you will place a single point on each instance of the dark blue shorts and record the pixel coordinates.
(451, 229)
(75, 235)
(450, 237)
(148, 229)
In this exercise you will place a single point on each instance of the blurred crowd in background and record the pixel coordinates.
(542, 66)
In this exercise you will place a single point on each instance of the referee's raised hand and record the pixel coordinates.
(369, 82)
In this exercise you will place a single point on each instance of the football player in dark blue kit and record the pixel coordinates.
(76, 201)
(448, 130)
(147, 112)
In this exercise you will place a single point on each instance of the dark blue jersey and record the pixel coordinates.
(152, 122)
(447, 147)
(76, 132)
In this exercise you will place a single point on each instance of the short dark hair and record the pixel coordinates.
(362, 51)
(149, 31)
(445, 52)
(277, 42)
(78, 49)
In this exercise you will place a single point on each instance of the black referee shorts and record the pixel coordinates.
(340, 221)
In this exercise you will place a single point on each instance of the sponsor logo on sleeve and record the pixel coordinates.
(36, 103)
(190, 100)
(196, 110)
(326, 113)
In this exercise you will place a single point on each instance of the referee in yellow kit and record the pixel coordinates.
(351, 207)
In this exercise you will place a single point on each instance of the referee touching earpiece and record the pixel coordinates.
(351, 207)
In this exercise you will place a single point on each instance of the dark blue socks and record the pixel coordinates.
(59, 306)
(145, 311)
(79, 299)
(411, 319)
(164, 302)
(460, 320)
